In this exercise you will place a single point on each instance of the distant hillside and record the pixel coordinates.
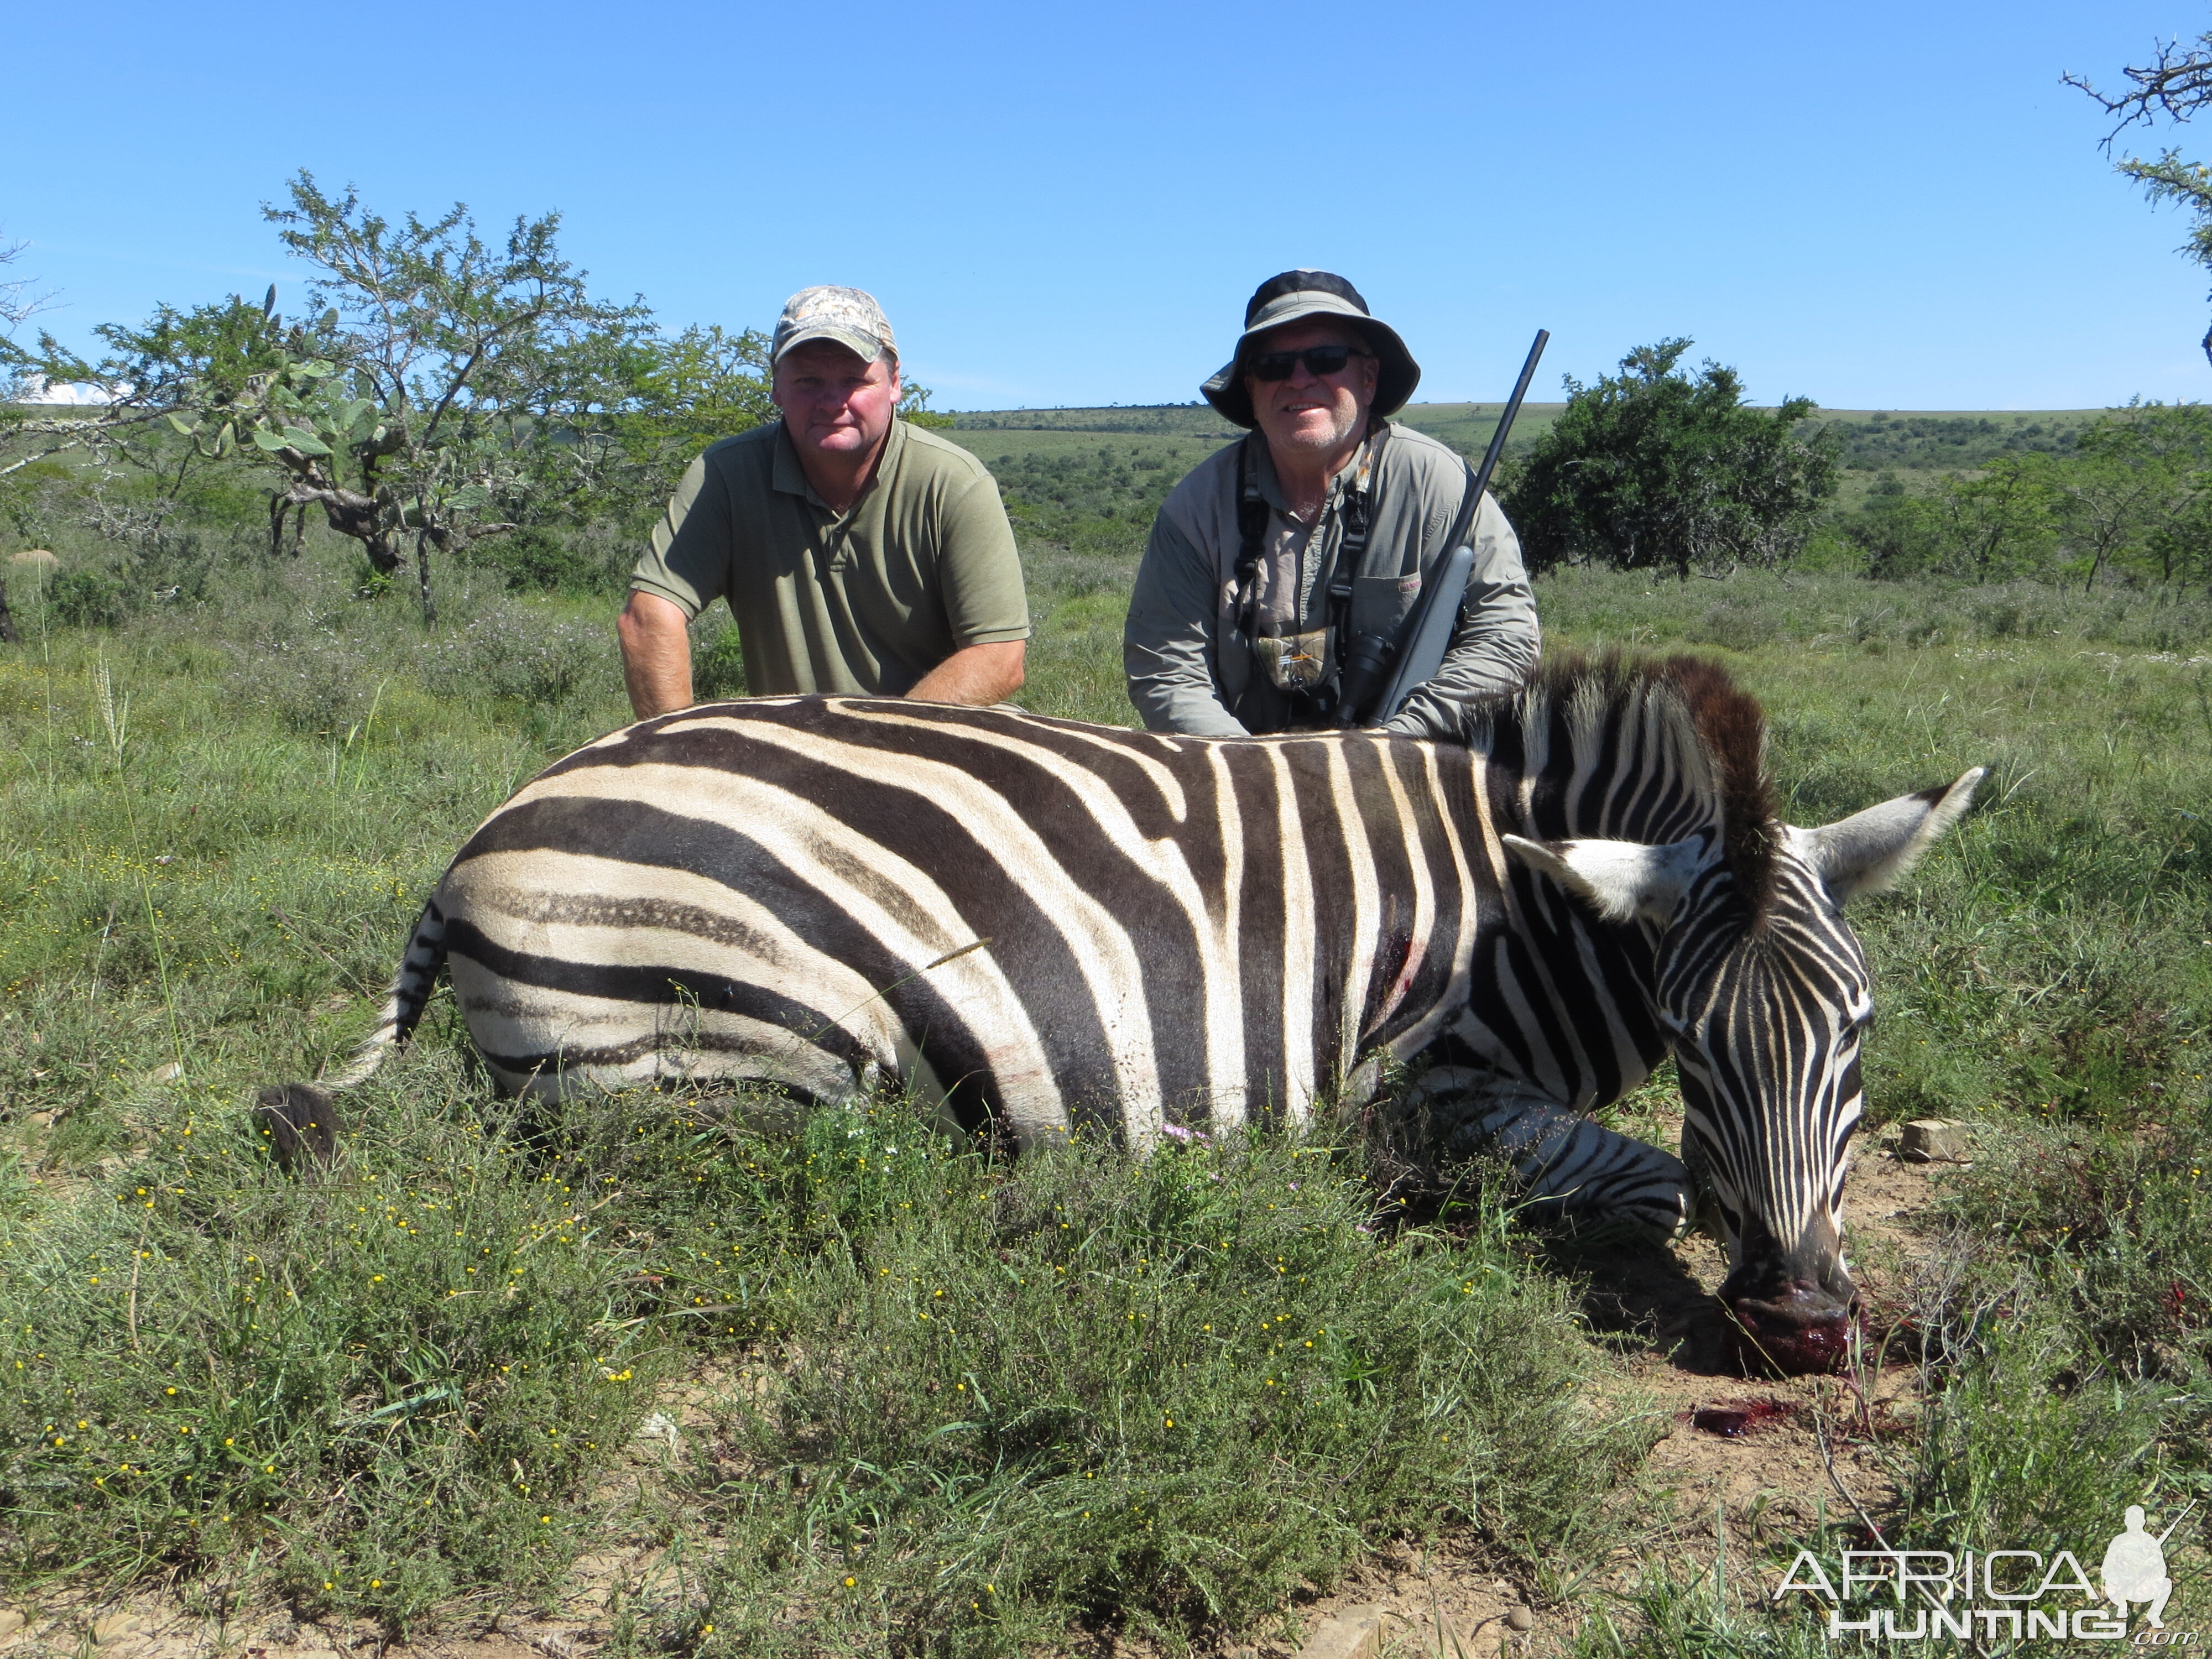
(1171, 419)
(1465, 427)
(1918, 439)
(1871, 439)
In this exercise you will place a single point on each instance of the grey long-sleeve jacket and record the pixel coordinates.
(1190, 670)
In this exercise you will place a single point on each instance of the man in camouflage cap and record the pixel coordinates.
(1272, 562)
(858, 553)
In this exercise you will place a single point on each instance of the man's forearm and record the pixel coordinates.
(976, 674)
(656, 649)
(1188, 710)
(1167, 643)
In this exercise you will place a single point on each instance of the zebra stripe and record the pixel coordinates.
(1215, 931)
(1047, 925)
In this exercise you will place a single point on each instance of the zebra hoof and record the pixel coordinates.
(300, 1124)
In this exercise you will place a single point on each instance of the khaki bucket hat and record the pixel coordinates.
(1293, 297)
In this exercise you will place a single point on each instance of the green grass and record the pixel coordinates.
(371, 1393)
(1191, 420)
(1154, 1396)
(997, 1400)
(296, 765)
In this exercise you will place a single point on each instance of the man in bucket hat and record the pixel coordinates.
(1288, 554)
(858, 554)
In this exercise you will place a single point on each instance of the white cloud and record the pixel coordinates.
(36, 389)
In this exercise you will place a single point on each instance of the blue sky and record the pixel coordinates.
(1883, 205)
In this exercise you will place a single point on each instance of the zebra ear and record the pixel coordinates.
(1621, 880)
(1867, 851)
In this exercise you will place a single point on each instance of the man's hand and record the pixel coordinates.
(656, 649)
(975, 674)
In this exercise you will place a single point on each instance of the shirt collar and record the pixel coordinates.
(789, 476)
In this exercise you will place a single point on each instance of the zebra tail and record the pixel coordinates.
(410, 990)
(298, 1118)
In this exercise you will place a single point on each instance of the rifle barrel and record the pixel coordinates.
(1505, 418)
(1424, 642)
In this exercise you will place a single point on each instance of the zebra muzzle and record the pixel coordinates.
(1790, 1311)
(1799, 1327)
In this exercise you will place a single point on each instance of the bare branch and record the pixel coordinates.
(17, 303)
(2176, 84)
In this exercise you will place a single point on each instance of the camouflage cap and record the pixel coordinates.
(850, 316)
(1312, 296)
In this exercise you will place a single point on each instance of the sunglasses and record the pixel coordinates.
(1270, 366)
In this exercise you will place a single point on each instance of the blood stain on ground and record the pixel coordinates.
(1739, 1419)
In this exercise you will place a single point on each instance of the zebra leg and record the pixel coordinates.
(1570, 1167)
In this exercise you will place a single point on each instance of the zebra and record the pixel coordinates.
(1047, 928)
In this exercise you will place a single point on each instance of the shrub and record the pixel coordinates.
(534, 559)
(718, 665)
(511, 651)
(317, 685)
(86, 598)
(1658, 468)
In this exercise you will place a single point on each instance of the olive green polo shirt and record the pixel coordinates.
(869, 600)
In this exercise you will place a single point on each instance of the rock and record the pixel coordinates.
(1520, 1619)
(1352, 1634)
(658, 1426)
(1936, 1140)
(168, 1073)
(37, 558)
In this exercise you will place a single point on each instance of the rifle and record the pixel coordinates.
(1421, 642)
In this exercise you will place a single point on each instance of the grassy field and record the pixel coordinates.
(402, 1393)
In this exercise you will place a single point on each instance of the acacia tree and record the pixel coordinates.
(2138, 477)
(438, 392)
(29, 435)
(441, 348)
(1999, 522)
(407, 410)
(2174, 85)
(622, 411)
(1656, 468)
(18, 303)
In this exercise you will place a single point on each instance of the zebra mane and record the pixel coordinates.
(1712, 732)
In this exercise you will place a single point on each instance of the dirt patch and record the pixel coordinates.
(146, 1630)
(1809, 1446)
(628, 1568)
